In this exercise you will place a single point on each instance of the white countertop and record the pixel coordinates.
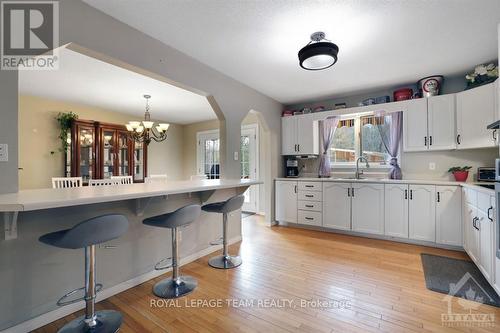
(28, 200)
(473, 185)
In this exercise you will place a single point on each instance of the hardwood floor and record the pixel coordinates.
(381, 282)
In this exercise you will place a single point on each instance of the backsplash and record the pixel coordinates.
(416, 165)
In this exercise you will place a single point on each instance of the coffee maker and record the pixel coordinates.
(292, 168)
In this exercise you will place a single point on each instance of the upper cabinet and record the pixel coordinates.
(299, 135)
(429, 124)
(476, 108)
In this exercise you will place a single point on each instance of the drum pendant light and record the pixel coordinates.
(319, 53)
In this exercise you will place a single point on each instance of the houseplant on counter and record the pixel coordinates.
(461, 173)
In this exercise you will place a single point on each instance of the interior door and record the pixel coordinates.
(208, 154)
(337, 205)
(249, 165)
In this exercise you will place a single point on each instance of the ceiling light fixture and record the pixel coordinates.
(145, 131)
(318, 54)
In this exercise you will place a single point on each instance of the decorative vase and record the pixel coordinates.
(461, 176)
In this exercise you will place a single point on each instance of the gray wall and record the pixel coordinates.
(98, 32)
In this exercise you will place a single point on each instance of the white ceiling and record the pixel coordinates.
(85, 80)
(382, 42)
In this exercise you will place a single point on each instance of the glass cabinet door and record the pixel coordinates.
(139, 158)
(86, 154)
(123, 154)
(108, 153)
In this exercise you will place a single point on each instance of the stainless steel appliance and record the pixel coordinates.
(292, 168)
(497, 205)
(486, 174)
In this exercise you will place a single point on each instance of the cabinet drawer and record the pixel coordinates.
(310, 196)
(310, 186)
(310, 205)
(310, 218)
(483, 201)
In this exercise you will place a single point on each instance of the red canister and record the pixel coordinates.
(403, 94)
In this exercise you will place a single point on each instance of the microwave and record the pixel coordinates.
(486, 174)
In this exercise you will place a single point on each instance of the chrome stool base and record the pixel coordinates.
(108, 321)
(170, 288)
(225, 262)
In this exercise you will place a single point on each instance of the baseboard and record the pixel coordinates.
(54, 315)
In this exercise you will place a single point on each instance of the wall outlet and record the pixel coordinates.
(4, 152)
(432, 166)
(235, 155)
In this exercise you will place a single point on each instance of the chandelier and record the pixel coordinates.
(145, 131)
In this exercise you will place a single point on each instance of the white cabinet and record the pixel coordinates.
(471, 232)
(429, 124)
(286, 201)
(496, 232)
(396, 210)
(476, 108)
(415, 125)
(485, 244)
(299, 135)
(368, 208)
(441, 122)
(288, 136)
(449, 215)
(422, 212)
(337, 205)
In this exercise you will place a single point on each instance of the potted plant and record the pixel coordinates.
(461, 173)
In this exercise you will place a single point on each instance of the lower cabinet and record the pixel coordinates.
(449, 215)
(422, 212)
(472, 236)
(368, 208)
(496, 231)
(485, 244)
(337, 205)
(286, 201)
(396, 210)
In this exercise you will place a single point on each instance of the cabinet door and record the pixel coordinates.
(368, 208)
(108, 146)
(422, 212)
(337, 205)
(415, 125)
(307, 135)
(83, 161)
(472, 234)
(289, 136)
(485, 244)
(441, 115)
(286, 201)
(449, 215)
(123, 148)
(396, 210)
(476, 110)
(496, 245)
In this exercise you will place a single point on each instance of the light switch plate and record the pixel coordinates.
(235, 155)
(432, 166)
(4, 152)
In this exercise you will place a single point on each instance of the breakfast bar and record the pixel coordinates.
(37, 275)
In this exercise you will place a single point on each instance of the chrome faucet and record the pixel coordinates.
(358, 173)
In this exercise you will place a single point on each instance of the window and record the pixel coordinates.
(360, 136)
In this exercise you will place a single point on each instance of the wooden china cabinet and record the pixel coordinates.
(100, 150)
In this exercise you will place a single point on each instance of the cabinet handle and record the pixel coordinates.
(430, 140)
(489, 210)
(425, 141)
(495, 135)
(458, 139)
(439, 197)
(411, 194)
(352, 191)
(295, 188)
(309, 196)
(474, 223)
(406, 194)
(298, 147)
(348, 192)
(309, 206)
(309, 185)
(309, 218)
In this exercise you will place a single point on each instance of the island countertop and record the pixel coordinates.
(28, 200)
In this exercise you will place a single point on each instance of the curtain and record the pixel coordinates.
(327, 130)
(392, 143)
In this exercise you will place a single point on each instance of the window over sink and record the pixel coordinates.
(361, 135)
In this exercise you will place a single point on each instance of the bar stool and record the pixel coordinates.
(86, 235)
(225, 261)
(177, 285)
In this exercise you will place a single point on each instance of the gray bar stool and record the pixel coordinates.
(225, 261)
(86, 235)
(177, 285)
